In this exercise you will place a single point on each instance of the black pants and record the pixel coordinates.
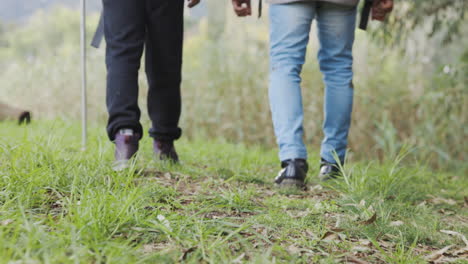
(130, 26)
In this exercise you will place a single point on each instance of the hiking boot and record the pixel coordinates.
(293, 174)
(328, 171)
(126, 145)
(25, 118)
(165, 151)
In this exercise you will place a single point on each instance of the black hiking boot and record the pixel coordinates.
(165, 151)
(25, 118)
(329, 171)
(126, 145)
(293, 174)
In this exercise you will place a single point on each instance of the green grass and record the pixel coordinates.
(59, 204)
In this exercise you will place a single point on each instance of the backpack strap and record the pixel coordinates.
(260, 7)
(99, 34)
(366, 11)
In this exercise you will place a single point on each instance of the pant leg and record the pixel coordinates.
(163, 67)
(336, 27)
(124, 23)
(289, 35)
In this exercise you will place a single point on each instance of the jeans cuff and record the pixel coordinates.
(293, 155)
(331, 158)
(167, 136)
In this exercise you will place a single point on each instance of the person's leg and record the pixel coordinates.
(163, 67)
(336, 27)
(289, 35)
(124, 23)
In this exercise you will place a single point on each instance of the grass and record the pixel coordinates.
(61, 205)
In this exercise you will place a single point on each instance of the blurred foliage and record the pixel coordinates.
(418, 100)
(3, 42)
(444, 17)
(216, 18)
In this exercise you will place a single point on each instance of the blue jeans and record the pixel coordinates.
(289, 35)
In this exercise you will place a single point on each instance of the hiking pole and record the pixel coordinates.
(84, 103)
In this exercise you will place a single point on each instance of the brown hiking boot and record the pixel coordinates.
(165, 150)
(126, 145)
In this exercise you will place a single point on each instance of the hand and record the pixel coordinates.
(381, 8)
(193, 3)
(241, 7)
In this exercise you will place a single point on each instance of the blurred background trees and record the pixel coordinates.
(216, 18)
(411, 79)
(438, 16)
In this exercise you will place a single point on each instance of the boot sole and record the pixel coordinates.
(291, 183)
(120, 165)
(329, 177)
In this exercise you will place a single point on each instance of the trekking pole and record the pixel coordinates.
(84, 106)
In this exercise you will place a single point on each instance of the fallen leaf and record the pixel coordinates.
(186, 252)
(351, 259)
(360, 249)
(342, 236)
(397, 223)
(332, 234)
(311, 234)
(293, 249)
(165, 222)
(239, 259)
(216, 215)
(462, 251)
(440, 200)
(148, 248)
(270, 193)
(453, 233)
(316, 188)
(337, 230)
(423, 203)
(338, 221)
(365, 242)
(6, 222)
(466, 201)
(370, 221)
(452, 260)
(438, 254)
(446, 211)
(386, 244)
(299, 214)
(139, 229)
